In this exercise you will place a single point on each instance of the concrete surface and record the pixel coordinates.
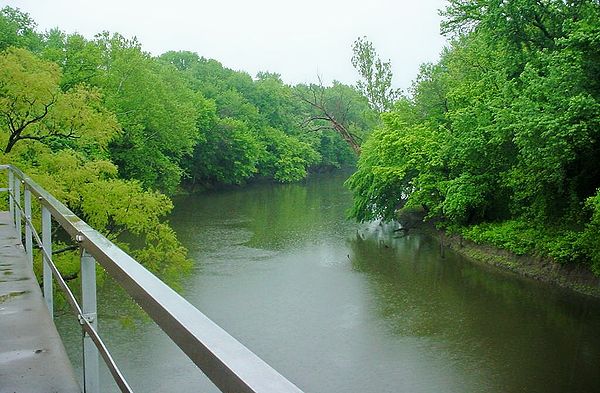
(32, 355)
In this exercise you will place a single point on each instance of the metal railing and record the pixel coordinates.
(225, 361)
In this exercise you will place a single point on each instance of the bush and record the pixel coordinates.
(513, 235)
(521, 237)
(590, 239)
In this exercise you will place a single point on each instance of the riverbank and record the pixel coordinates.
(574, 277)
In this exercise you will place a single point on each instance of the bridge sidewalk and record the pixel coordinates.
(32, 355)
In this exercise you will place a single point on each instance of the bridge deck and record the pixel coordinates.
(32, 356)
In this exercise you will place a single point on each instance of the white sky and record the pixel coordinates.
(298, 39)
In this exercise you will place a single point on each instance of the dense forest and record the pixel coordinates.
(500, 139)
(113, 131)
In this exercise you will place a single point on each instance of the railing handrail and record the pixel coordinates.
(228, 364)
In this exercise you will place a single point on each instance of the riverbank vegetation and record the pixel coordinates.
(497, 141)
(500, 139)
(112, 131)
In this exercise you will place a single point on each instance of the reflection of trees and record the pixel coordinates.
(517, 333)
(526, 332)
(275, 214)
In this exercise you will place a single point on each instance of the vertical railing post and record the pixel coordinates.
(28, 231)
(47, 244)
(88, 305)
(17, 184)
(11, 199)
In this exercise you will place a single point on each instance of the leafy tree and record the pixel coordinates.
(286, 159)
(500, 137)
(276, 103)
(376, 83)
(79, 58)
(402, 164)
(589, 240)
(338, 108)
(158, 113)
(556, 136)
(32, 106)
(17, 29)
(65, 150)
(229, 154)
(265, 111)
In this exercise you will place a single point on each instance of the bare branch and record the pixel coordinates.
(324, 115)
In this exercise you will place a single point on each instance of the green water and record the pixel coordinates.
(341, 307)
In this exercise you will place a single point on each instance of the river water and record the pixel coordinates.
(340, 307)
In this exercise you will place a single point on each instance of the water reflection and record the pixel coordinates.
(340, 307)
(520, 334)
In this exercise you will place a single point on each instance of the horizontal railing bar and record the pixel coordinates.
(76, 308)
(230, 365)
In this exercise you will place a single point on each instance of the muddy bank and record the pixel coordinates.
(575, 277)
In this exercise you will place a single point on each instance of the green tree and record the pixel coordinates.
(500, 137)
(33, 107)
(17, 29)
(80, 59)
(376, 83)
(286, 159)
(157, 110)
(256, 133)
(63, 146)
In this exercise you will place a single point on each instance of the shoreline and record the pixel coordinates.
(576, 278)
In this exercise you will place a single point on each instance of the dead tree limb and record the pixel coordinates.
(316, 100)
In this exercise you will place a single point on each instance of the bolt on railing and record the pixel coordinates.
(228, 364)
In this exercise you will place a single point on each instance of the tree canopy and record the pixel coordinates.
(112, 131)
(503, 132)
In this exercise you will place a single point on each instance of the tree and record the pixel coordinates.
(327, 111)
(376, 83)
(17, 29)
(402, 164)
(33, 107)
(286, 159)
(255, 132)
(157, 110)
(80, 59)
(500, 137)
(229, 155)
(61, 139)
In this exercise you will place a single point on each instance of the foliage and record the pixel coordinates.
(376, 82)
(501, 136)
(60, 139)
(286, 158)
(229, 155)
(111, 205)
(256, 129)
(156, 109)
(520, 237)
(32, 106)
(514, 235)
(107, 128)
(589, 239)
(401, 159)
(177, 112)
(17, 29)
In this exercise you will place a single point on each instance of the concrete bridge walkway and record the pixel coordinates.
(32, 355)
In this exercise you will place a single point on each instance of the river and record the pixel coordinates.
(340, 307)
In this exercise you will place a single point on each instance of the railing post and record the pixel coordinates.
(91, 380)
(17, 184)
(11, 200)
(47, 244)
(28, 231)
